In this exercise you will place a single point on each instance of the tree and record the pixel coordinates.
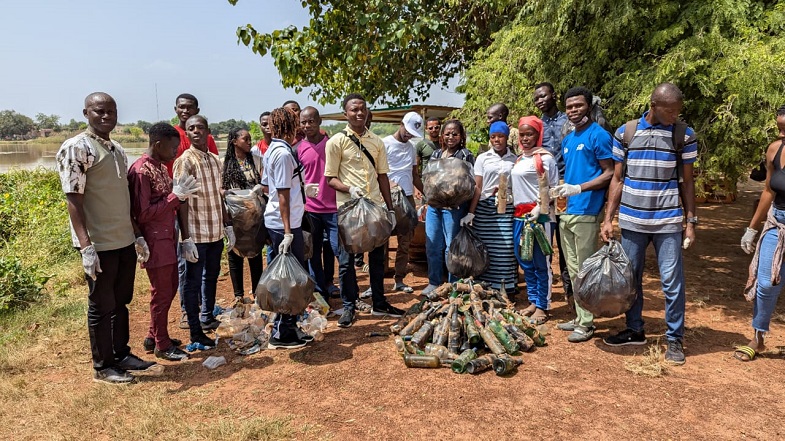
(43, 121)
(385, 50)
(73, 125)
(144, 125)
(725, 55)
(14, 125)
(255, 130)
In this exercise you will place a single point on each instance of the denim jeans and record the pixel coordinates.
(537, 272)
(201, 279)
(441, 226)
(766, 294)
(348, 276)
(324, 225)
(285, 325)
(667, 247)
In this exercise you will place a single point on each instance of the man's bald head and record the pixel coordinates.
(97, 97)
(497, 112)
(666, 93)
(309, 111)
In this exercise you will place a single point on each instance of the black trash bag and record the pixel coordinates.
(448, 182)
(363, 226)
(468, 256)
(405, 213)
(605, 285)
(285, 286)
(246, 209)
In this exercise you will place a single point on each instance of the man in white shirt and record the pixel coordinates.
(402, 159)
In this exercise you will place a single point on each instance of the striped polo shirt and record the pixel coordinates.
(650, 198)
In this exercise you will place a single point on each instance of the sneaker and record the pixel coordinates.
(304, 336)
(149, 344)
(675, 353)
(367, 294)
(172, 354)
(347, 318)
(210, 325)
(274, 343)
(358, 261)
(400, 286)
(362, 306)
(581, 334)
(112, 375)
(205, 341)
(184, 321)
(386, 309)
(134, 364)
(625, 338)
(567, 326)
(429, 289)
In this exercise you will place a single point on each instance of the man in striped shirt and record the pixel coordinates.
(648, 197)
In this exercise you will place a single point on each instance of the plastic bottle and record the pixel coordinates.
(421, 361)
(459, 364)
(504, 364)
(480, 364)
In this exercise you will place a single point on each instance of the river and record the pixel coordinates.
(27, 156)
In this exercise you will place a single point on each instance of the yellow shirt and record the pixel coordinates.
(348, 163)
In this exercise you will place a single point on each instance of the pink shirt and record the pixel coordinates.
(313, 159)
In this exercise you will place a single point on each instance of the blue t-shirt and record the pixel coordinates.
(582, 151)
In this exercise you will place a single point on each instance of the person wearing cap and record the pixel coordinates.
(492, 227)
(402, 159)
(535, 173)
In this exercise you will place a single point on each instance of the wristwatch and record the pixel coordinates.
(692, 220)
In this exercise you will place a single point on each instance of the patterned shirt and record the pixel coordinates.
(96, 168)
(650, 197)
(154, 207)
(185, 143)
(205, 215)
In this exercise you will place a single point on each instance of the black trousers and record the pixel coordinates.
(236, 264)
(107, 306)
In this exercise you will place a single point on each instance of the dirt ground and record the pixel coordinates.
(352, 387)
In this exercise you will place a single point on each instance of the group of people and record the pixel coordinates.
(178, 225)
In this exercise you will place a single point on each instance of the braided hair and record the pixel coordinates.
(233, 175)
(283, 123)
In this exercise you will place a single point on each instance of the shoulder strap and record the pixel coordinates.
(298, 168)
(679, 133)
(361, 147)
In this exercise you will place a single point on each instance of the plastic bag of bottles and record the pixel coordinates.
(448, 182)
(468, 256)
(605, 285)
(313, 324)
(405, 213)
(362, 226)
(285, 286)
(246, 208)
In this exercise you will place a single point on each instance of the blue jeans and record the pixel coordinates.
(537, 272)
(667, 247)
(201, 279)
(324, 225)
(348, 276)
(766, 294)
(441, 226)
(285, 325)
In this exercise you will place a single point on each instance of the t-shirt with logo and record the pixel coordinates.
(401, 157)
(582, 151)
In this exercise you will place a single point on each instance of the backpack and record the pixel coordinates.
(677, 138)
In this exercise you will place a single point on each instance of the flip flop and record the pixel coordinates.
(526, 312)
(536, 321)
(741, 351)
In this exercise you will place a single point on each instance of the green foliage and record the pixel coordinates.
(144, 125)
(19, 285)
(255, 130)
(388, 51)
(224, 127)
(136, 132)
(726, 56)
(14, 125)
(72, 125)
(43, 121)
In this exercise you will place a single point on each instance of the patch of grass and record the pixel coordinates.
(650, 364)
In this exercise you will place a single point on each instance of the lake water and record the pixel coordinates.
(29, 156)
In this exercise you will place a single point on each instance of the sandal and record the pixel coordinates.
(537, 320)
(529, 310)
(744, 353)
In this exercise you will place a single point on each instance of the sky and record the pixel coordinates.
(55, 52)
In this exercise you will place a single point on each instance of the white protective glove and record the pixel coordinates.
(142, 250)
(467, 220)
(189, 250)
(185, 186)
(356, 192)
(392, 218)
(564, 191)
(312, 190)
(230, 238)
(90, 262)
(535, 213)
(748, 240)
(286, 243)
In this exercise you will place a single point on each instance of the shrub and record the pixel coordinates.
(19, 285)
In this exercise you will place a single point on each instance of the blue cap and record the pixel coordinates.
(499, 127)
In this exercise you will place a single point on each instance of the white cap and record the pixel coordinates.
(412, 121)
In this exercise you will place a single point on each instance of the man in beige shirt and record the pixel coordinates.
(356, 166)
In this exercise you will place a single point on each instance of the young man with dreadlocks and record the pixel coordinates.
(241, 172)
